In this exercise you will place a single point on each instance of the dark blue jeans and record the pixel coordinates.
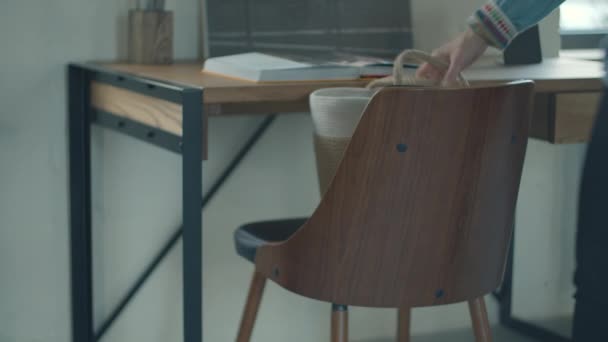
(591, 277)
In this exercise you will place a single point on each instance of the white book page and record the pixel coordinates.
(259, 61)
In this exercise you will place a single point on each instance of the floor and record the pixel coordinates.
(500, 334)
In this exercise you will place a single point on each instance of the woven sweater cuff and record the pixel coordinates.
(493, 25)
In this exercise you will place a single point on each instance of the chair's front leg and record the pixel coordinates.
(479, 317)
(403, 325)
(250, 313)
(339, 323)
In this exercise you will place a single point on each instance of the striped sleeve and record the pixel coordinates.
(493, 25)
(499, 21)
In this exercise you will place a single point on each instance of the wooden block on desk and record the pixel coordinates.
(150, 37)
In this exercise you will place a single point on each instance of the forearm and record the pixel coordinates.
(500, 21)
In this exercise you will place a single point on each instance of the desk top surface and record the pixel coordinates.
(553, 75)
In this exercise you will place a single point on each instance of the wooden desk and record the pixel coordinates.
(567, 93)
(168, 106)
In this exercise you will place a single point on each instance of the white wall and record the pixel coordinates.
(137, 194)
(38, 38)
(545, 234)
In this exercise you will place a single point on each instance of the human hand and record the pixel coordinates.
(459, 53)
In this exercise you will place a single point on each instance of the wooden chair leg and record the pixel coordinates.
(403, 325)
(479, 317)
(339, 323)
(256, 290)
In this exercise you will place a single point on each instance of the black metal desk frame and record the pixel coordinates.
(505, 297)
(80, 118)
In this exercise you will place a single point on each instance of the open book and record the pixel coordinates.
(262, 67)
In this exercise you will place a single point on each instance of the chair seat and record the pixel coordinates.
(249, 237)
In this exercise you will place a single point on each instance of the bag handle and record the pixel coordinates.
(400, 77)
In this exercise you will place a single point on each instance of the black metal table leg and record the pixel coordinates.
(505, 298)
(190, 145)
(80, 205)
(177, 234)
(192, 151)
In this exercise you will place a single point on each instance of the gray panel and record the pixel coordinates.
(227, 16)
(291, 38)
(374, 13)
(386, 44)
(373, 27)
(290, 15)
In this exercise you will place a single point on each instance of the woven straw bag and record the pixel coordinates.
(336, 111)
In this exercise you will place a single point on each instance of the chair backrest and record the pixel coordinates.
(421, 209)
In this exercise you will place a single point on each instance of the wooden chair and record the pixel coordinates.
(419, 213)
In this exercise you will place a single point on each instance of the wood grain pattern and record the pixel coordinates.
(574, 116)
(564, 118)
(429, 226)
(147, 110)
(152, 112)
(250, 313)
(551, 76)
(225, 96)
(150, 37)
(479, 318)
(166, 115)
(403, 324)
(339, 326)
(223, 90)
